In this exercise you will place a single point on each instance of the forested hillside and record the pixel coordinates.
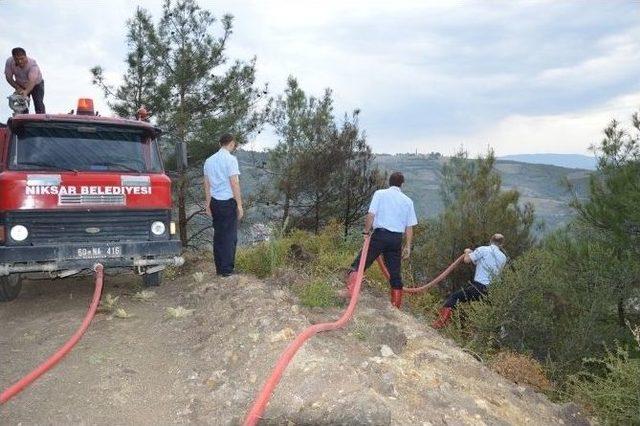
(543, 185)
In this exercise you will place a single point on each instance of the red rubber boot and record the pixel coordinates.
(396, 297)
(443, 318)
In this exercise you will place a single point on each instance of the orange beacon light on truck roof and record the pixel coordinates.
(85, 106)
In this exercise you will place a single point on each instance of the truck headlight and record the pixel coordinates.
(19, 233)
(158, 228)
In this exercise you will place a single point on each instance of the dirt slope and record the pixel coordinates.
(205, 368)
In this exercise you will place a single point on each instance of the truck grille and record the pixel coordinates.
(80, 226)
(84, 200)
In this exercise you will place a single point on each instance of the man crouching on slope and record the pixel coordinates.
(391, 215)
(489, 261)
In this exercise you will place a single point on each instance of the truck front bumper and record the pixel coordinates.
(52, 258)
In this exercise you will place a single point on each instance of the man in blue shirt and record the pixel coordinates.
(223, 203)
(489, 261)
(391, 216)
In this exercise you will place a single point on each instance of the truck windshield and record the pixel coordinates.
(83, 147)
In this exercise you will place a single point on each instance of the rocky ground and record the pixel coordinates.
(144, 362)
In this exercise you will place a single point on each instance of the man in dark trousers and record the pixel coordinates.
(489, 261)
(23, 74)
(391, 216)
(224, 203)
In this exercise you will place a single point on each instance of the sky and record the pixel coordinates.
(516, 76)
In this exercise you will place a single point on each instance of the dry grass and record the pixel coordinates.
(635, 331)
(108, 303)
(521, 369)
(179, 312)
(198, 277)
(144, 295)
(122, 314)
(362, 330)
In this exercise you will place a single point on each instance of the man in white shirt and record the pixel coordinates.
(391, 216)
(489, 261)
(223, 203)
(24, 75)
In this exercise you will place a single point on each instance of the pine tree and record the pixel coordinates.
(289, 118)
(319, 162)
(319, 172)
(476, 207)
(140, 84)
(357, 178)
(614, 198)
(615, 189)
(198, 94)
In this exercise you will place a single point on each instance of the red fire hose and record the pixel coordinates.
(17, 387)
(262, 399)
(432, 283)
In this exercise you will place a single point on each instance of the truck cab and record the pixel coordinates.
(77, 189)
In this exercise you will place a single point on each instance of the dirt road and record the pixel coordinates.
(128, 370)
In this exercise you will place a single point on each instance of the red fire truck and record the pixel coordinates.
(76, 189)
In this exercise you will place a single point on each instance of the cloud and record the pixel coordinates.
(617, 56)
(422, 72)
(519, 134)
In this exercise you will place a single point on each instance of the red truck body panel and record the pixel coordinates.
(91, 119)
(58, 220)
(16, 194)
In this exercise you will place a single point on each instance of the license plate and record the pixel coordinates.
(98, 252)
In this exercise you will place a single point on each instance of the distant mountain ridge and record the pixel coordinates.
(545, 186)
(570, 161)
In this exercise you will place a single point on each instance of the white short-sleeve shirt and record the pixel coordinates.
(392, 210)
(218, 169)
(489, 261)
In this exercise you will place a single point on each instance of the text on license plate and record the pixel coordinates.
(99, 252)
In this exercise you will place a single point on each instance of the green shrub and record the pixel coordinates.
(317, 293)
(515, 314)
(557, 303)
(330, 255)
(262, 259)
(475, 207)
(613, 395)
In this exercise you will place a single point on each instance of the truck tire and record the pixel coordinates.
(152, 280)
(10, 286)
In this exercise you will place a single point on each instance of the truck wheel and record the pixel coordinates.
(152, 280)
(10, 286)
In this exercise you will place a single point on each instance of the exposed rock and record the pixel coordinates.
(573, 415)
(389, 335)
(386, 351)
(284, 334)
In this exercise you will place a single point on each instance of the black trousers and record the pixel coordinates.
(37, 94)
(389, 245)
(472, 291)
(224, 215)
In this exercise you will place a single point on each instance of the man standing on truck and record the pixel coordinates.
(223, 203)
(391, 217)
(23, 74)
